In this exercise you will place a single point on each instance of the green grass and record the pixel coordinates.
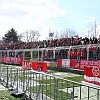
(6, 95)
(76, 78)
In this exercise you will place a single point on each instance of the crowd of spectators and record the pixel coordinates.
(50, 43)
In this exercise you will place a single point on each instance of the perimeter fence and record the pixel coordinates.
(34, 85)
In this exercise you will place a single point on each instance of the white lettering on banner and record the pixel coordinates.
(88, 66)
(23, 65)
(95, 71)
(90, 63)
(93, 63)
(96, 63)
(66, 62)
(8, 60)
(83, 62)
(16, 61)
(12, 60)
(77, 65)
(26, 65)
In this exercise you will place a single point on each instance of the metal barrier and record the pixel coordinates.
(42, 86)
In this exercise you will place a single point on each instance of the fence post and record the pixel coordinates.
(24, 80)
(72, 96)
(72, 93)
(56, 88)
(7, 78)
(37, 95)
(98, 94)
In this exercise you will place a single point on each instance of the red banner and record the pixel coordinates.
(26, 65)
(39, 66)
(92, 72)
(12, 60)
(73, 63)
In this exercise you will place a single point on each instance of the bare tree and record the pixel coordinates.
(68, 33)
(56, 35)
(27, 36)
(20, 37)
(92, 29)
(32, 35)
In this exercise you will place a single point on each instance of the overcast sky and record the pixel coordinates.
(45, 15)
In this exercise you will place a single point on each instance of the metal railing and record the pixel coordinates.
(43, 86)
